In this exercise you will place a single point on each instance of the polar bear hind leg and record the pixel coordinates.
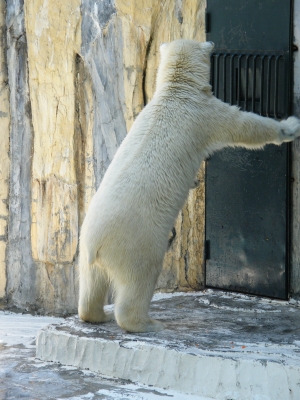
(93, 288)
(132, 299)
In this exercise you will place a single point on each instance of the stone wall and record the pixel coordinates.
(73, 76)
(4, 149)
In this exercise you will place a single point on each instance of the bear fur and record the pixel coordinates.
(125, 233)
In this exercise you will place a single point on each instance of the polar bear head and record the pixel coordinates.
(185, 62)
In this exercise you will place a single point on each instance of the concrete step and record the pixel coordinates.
(216, 344)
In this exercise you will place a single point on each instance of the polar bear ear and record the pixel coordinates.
(163, 47)
(208, 46)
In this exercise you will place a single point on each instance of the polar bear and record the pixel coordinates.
(125, 233)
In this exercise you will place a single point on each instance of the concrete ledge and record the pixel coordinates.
(216, 345)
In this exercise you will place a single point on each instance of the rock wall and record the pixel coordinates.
(19, 268)
(53, 40)
(79, 72)
(4, 149)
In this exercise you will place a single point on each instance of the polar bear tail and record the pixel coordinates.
(90, 258)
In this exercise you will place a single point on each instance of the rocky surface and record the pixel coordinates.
(20, 270)
(4, 148)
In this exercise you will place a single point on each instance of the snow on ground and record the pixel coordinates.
(22, 328)
(22, 375)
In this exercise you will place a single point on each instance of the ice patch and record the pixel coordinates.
(165, 296)
(135, 392)
(84, 396)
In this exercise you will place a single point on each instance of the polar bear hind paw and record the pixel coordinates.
(96, 318)
(152, 325)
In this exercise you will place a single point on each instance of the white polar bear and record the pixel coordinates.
(125, 233)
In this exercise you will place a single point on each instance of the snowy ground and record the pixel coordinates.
(24, 376)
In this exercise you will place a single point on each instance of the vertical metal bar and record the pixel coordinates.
(254, 83)
(276, 87)
(268, 85)
(212, 71)
(247, 82)
(239, 80)
(217, 78)
(261, 85)
(231, 77)
(224, 77)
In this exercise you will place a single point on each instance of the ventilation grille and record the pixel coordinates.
(253, 82)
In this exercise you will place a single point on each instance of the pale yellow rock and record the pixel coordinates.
(53, 36)
(2, 269)
(146, 25)
(54, 229)
(4, 151)
(84, 139)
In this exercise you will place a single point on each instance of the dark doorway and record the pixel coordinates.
(247, 192)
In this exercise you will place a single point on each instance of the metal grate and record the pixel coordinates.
(253, 82)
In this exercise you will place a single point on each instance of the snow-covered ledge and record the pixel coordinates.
(218, 345)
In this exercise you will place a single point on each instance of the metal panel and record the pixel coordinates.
(247, 191)
(246, 221)
(256, 82)
(260, 25)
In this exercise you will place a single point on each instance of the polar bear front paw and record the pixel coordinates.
(289, 129)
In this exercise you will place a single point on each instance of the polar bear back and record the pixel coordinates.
(150, 176)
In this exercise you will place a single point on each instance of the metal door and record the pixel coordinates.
(247, 192)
